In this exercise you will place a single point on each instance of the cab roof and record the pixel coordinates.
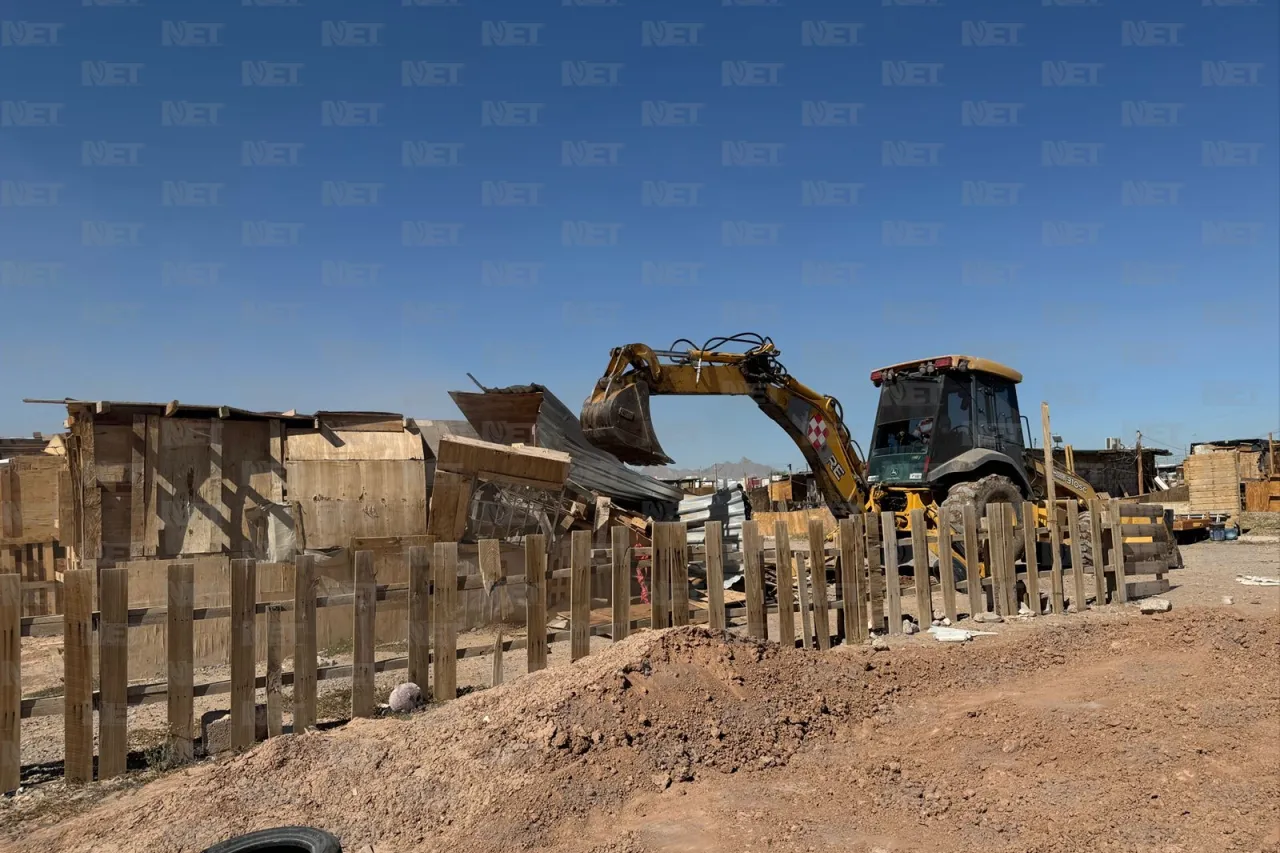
(957, 362)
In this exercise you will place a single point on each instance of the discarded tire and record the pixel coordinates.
(284, 839)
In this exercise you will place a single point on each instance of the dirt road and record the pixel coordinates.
(1106, 731)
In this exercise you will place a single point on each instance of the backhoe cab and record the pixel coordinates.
(943, 421)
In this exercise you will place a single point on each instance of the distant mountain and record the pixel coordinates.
(725, 470)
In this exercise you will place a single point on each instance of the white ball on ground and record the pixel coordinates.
(406, 697)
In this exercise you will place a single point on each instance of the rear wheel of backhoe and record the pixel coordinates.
(993, 488)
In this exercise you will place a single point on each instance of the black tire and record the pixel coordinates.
(284, 839)
(993, 488)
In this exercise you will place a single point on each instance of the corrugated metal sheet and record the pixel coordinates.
(532, 414)
(728, 506)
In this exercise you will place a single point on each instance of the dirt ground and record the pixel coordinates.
(1104, 731)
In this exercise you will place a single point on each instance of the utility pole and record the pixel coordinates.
(1140, 481)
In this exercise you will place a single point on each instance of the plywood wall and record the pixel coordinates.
(1213, 481)
(33, 491)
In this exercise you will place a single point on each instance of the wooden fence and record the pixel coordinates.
(868, 594)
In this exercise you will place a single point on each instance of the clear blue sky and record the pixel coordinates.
(1148, 144)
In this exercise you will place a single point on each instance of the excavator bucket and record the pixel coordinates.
(618, 422)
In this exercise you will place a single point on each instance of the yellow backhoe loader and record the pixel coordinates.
(948, 432)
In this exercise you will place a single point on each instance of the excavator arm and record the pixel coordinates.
(616, 415)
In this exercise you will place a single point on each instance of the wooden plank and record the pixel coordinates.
(806, 600)
(535, 573)
(304, 643)
(1056, 590)
(419, 616)
(113, 666)
(90, 498)
(275, 447)
(973, 561)
(244, 591)
(77, 661)
(138, 489)
(892, 585)
(1029, 538)
(1077, 553)
(920, 565)
(660, 582)
(679, 574)
(715, 574)
(275, 655)
(1117, 552)
(151, 539)
(996, 552)
(875, 576)
(853, 595)
(362, 636)
(444, 620)
(180, 658)
(580, 595)
(946, 571)
(753, 570)
(535, 466)
(496, 678)
(818, 569)
(786, 599)
(1097, 553)
(10, 682)
(620, 586)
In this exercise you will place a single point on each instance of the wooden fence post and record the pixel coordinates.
(580, 595)
(678, 559)
(875, 575)
(1077, 552)
(1056, 591)
(535, 574)
(113, 672)
(77, 661)
(1098, 554)
(660, 581)
(715, 574)
(180, 657)
(855, 604)
(818, 567)
(806, 601)
(419, 616)
(920, 565)
(10, 682)
(998, 532)
(1030, 537)
(1117, 549)
(304, 643)
(275, 672)
(620, 588)
(753, 569)
(362, 635)
(244, 598)
(946, 570)
(973, 561)
(445, 621)
(786, 602)
(892, 585)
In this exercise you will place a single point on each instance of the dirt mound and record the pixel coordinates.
(1116, 732)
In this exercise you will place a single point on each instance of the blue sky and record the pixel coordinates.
(1087, 191)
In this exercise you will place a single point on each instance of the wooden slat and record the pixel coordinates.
(973, 561)
(244, 591)
(419, 616)
(753, 569)
(535, 567)
(660, 575)
(77, 660)
(786, 599)
(806, 600)
(620, 586)
(138, 488)
(1056, 590)
(496, 677)
(1077, 553)
(151, 540)
(1029, 538)
(444, 619)
(580, 595)
(998, 533)
(1117, 553)
(920, 564)
(892, 585)
(852, 596)
(1099, 556)
(180, 659)
(362, 636)
(818, 568)
(10, 682)
(875, 575)
(946, 571)
(275, 658)
(304, 643)
(113, 663)
(715, 574)
(679, 574)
